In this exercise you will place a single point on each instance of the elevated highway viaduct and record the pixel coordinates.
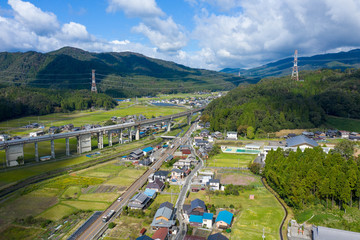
(15, 148)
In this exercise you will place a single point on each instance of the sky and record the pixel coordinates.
(209, 34)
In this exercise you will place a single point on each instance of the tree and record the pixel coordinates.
(250, 132)
(345, 148)
(242, 129)
(255, 168)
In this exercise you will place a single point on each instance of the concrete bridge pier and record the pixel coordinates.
(67, 144)
(137, 136)
(36, 151)
(130, 136)
(168, 126)
(110, 138)
(100, 138)
(189, 119)
(121, 136)
(14, 155)
(84, 143)
(52, 149)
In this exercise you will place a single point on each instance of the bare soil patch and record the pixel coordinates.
(236, 179)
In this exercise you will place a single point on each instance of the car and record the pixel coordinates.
(119, 199)
(154, 169)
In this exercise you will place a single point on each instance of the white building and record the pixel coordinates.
(231, 135)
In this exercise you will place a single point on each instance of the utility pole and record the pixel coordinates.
(295, 72)
(93, 83)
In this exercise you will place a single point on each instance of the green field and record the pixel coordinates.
(230, 160)
(251, 216)
(347, 124)
(19, 233)
(57, 212)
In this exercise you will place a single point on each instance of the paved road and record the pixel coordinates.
(181, 199)
(99, 226)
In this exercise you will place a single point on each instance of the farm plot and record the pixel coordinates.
(231, 160)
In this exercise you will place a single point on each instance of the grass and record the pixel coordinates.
(57, 212)
(99, 197)
(340, 123)
(333, 218)
(128, 227)
(19, 233)
(87, 205)
(72, 192)
(230, 160)
(67, 180)
(251, 215)
(126, 177)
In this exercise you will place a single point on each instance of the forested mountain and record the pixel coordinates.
(24, 101)
(281, 103)
(120, 74)
(341, 60)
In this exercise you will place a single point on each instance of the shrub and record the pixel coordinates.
(112, 225)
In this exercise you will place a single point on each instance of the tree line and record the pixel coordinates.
(280, 103)
(313, 176)
(24, 101)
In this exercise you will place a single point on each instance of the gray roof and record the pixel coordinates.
(187, 208)
(137, 151)
(140, 197)
(301, 139)
(161, 173)
(164, 212)
(324, 233)
(177, 170)
(197, 203)
(214, 181)
(217, 236)
(167, 204)
(158, 184)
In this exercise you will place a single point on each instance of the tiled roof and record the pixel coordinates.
(301, 139)
(197, 203)
(217, 236)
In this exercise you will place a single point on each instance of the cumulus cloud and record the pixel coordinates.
(165, 34)
(135, 8)
(268, 30)
(33, 18)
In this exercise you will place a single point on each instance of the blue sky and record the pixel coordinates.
(211, 34)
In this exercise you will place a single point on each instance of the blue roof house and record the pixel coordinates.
(196, 220)
(208, 220)
(224, 219)
(147, 150)
(151, 193)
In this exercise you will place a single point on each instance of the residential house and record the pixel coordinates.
(224, 219)
(200, 143)
(231, 135)
(37, 133)
(344, 134)
(147, 151)
(196, 207)
(214, 184)
(156, 185)
(161, 234)
(204, 133)
(198, 138)
(208, 220)
(145, 162)
(196, 220)
(218, 135)
(177, 174)
(4, 137)
(207, 124)
(139, 201)
(332, 133)
(185, 153)
(217, 236)
(183, 163)
(182, 147)
(151, 193)
(308, 134)
(164, 216)
(144, 237)
(301, 141)
(162, 175)
(136, 154)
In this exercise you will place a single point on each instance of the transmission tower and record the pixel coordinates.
(295, 72)
(93, 84)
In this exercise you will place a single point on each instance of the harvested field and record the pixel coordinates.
(57, 212)
(103, 189)
(237, 179)
(85, 205)
(100, 197)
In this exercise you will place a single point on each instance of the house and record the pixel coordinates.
(199, 143)
(218, 135)
(136, 154)
(208, 220)
(4, 137)
(37, 133)
(231, 135)
(161, 234)
(151, 193)
(344, 134)
(182, 147)
(162, 175)
(301, 141)
(198, 138)
(147, 150)
(183, 163)
(196, 207)
(217, 236)
(156, 185)
(145, 162)
(224, 219)
(196, 220)
(164, 216)
(177, 174)
(185, 152)
(324, 233)
(332, 133)
(139, 201)
(204, 133)
(214, 184)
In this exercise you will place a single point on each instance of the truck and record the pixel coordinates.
(108, 216)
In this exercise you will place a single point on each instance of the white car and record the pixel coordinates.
(119, 199)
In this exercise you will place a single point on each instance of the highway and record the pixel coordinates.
(98, 227)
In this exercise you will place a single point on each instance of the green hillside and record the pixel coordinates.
(341, 60)
(279, 103)
(120, 74)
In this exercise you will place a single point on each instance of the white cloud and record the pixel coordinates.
(165, 34)
(272, 29)
(135, 8)
(73, 31)
(33, 18)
